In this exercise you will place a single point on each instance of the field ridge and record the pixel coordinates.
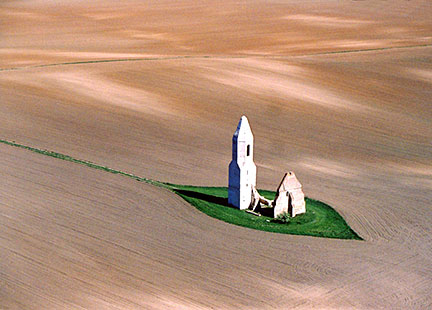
(82, 62)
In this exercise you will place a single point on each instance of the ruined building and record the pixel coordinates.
(289, 196)
(242, 192)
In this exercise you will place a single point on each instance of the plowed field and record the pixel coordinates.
(337, 91)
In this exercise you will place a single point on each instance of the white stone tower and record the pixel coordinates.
(242, 169)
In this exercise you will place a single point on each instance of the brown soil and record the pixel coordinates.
(355, 126)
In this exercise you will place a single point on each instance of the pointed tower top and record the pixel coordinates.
(243, 127)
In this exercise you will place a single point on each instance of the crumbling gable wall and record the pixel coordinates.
(289, 196)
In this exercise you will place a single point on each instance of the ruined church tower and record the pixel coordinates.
(242, 169)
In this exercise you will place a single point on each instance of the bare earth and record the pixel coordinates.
(338, 91)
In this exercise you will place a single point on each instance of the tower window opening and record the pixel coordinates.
(248, 150)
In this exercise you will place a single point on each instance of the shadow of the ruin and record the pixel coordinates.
(268, 212)
(209, 198)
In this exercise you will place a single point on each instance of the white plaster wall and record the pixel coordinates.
(281, 204)
(299, 204)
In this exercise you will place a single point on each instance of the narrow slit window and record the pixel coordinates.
(248, 150)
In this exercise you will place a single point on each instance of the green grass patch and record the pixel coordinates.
(320, 220)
